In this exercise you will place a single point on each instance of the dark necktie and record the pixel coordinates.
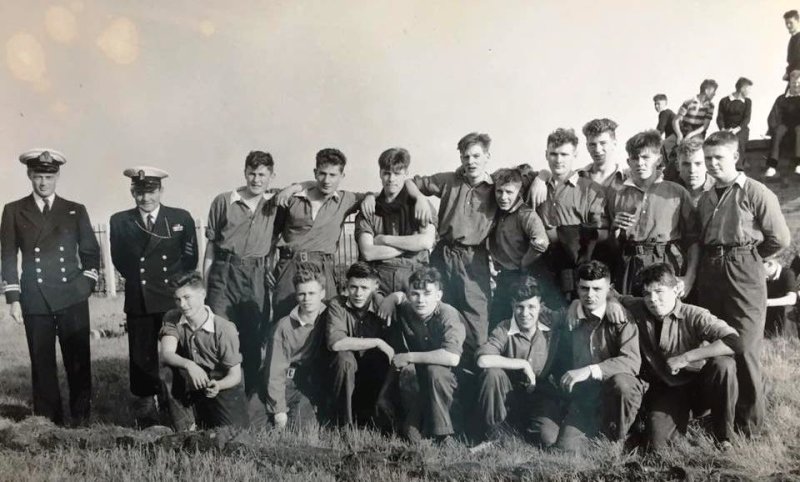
(46, 208)
(149, 222)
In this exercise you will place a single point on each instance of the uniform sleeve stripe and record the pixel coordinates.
(91, 274)
(12, 288)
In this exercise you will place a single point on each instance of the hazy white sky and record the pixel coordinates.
(192, 85)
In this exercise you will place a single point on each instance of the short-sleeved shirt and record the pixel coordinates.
(747, 214)
(294, 345)
(685, 328)
(343, 320)
(665, 119)
(613, 181)
(578, 201)
(320, 233)
(443, 329)
(694, 114)
(375, 225)
(214, 346)
(665, 210)
(235, 228)
(508, 341)
(466, 212)
(516, 231)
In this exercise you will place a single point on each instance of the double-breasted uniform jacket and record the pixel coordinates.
(60, 255)
(147, 260)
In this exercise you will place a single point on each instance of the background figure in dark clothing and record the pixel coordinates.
(734, 114)
(781, 296)
(792, 19)
(783, 118)
(666, 128)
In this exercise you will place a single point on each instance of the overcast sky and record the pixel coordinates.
(191, 86)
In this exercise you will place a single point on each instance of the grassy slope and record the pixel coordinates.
(775, 452)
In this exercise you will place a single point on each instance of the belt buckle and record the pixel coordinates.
(639, 249)
(719, 251)
(290, 373)
(303, 256)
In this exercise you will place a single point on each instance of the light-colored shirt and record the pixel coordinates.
(233, 227)
(40, 201)
(578, 201)
(153, 213)
(304, 229)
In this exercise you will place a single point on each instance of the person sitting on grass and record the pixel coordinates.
(516, 364)
(202, 376)
(784, 117)
(356, 335)
(295, 360)
(686, 359)
(781, 295)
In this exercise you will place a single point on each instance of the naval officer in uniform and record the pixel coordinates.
(60, 262)
(149, 244)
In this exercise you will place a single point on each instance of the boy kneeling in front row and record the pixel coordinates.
(202, 378)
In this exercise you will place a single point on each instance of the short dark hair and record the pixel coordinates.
(192, 279)
(689, 146)
(743, 81)
(595, 127)
(661, 273)
(722, 138)
(259, 158)
(394, 158)
(361, 270)
(649, 139)
(562, 136)
(507, 175)
(660, 97)
(708, 83)
(424, 276)
(791, 14)
(307, 272)
(593, 270)
(525, 288)
(331, 157)
(473, 138)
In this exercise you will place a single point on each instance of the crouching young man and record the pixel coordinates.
(601, 389)
(296, 357)
(517, 361)
(684, 374)
(356, 335)
(202, 378)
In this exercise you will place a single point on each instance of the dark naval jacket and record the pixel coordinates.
(60, 255)
(147, 260)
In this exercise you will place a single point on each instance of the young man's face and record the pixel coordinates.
(310, 296)
(328, 177)
(425, 300)
(710, 92)
(44, 183)
(643, 164)
(792, 25)
(593, 294)
(660, 299)
(258, 179)
(507, 194)
(190, 300)
(692, 169)
(526, 313)
(794, 84)
(147, 200)
(721, 161)
(474, 160)
(660, 105)
(560, 158)
(393, 180)
(360, 291)
(745, 90)
(601, 147)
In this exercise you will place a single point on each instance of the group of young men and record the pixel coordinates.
(549, 301)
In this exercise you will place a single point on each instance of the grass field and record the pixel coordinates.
(33, 449)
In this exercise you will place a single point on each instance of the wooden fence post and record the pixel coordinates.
(201, 243)
(109, 272)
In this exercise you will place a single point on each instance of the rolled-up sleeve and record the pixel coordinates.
(534, 229)
(707, 327)
(453, 332)
(335, 324)
(229, 355)
(433, 185)
(497, 342)
(216, 214)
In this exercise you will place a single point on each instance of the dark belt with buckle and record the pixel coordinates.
(632, 248)
(231, 258)
(718, 251)
(303, 256)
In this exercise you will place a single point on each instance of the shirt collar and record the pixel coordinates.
(208, 326)
(153, 213)
(235, 196)
(513, 329)
(677, 311)
(777, 273)
(304, 194)
(40, 200)
(487, 178)
(572, 179)
(740, 180)
(599, 312)
(370, 306)
(629, 182)
(589, 168)
(295, 315)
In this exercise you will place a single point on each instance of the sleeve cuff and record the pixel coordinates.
(92, 274)
(597, 373)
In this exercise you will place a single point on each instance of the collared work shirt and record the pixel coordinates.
(747, 214)
(465, 212)
(508, 341)
(444, 329)
(578, 201)
(695, 114)
(516, 231)
(614, 181)
(665, 212)
(303, 230)
(214, 346)
(375, 225)
(343, 320)
(683, 329)
(294, 344)
(613, 348)
(694, 194)
(235, 228)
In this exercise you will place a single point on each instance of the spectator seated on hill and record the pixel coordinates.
(781, 296)
(783, 119)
